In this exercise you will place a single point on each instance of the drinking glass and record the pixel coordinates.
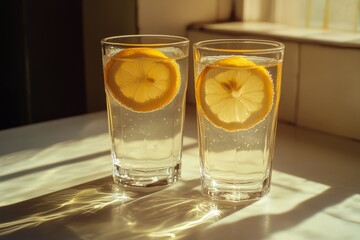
(145, 79)
(237, 89)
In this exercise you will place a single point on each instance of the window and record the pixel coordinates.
(343, 15)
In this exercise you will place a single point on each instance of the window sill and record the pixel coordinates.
(273, 30)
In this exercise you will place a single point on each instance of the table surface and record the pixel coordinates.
(55, 183)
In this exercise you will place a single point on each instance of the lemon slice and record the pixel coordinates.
(142, 79)
(234, 93)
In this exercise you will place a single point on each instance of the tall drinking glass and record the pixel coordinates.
(145, 80)
(237, 88)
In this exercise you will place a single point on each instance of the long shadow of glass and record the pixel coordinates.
(101, 210)
(277, 225)
(172, 213)
(276, 216)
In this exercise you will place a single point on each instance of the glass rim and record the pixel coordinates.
(209, 45)
(177, 40)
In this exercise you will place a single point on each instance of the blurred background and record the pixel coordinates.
(52, 68)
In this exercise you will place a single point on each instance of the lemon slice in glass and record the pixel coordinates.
(234, 93)
(142, 79)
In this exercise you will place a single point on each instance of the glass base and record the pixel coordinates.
(235, 192)
(146, 179)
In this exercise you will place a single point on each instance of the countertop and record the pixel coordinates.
(55, 183)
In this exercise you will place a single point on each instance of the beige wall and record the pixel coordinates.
(173, 16)
(101, 19)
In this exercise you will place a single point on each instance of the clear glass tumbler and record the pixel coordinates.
(145, 80)
(237, 89)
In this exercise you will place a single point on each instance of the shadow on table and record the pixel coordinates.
(101, 210)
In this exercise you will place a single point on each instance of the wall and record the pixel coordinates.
(102, 19)
(173, 16)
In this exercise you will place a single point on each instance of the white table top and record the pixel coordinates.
(55, 183)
